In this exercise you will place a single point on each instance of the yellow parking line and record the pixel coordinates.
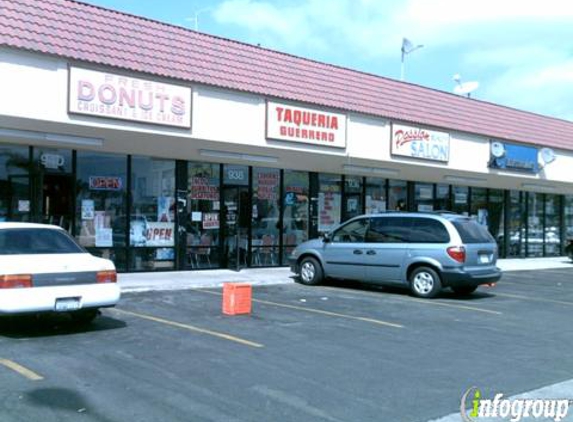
(316, 311)
(25, 372)
(426, 302)
(535, 299)
(190, 328)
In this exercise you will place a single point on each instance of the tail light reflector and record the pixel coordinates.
(457, 253)
(15, 281)
(106, 277)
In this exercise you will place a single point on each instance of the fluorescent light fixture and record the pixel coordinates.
(238, 156)
(51, 137)
(464, 179)
(537, 186)
(371, 170)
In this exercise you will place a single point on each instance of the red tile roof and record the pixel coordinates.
(83, 32)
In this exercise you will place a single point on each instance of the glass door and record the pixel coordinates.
(236, 226)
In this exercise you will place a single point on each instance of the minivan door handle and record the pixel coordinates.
(357, 252)
(371, 252)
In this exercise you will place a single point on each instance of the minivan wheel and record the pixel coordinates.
(425, 282)
(464, 290)
(310, 271)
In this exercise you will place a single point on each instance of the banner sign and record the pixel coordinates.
(416, 142)
(310, 126)
(114, 96)
(513, 157)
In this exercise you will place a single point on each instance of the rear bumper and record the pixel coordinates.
(43, 299)
(473, 278)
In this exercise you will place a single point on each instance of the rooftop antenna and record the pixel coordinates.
(465, 88)
(407, 48)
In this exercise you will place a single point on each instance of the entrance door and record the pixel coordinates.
(235, 226)
(57, 194)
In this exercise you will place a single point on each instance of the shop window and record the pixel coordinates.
(552, 232)
(534, 224)
(375, 195)
(201, 223)
(14, 183)
(352, 197)
(479, 210)
(516, 225)
(460, 200)
(424, 197)
(152, 219)
(568, 199)
(397, 195)
(329, 201)
(295, 211)
(265, 217)
(495, 217)
(443, 202)
(101, 186)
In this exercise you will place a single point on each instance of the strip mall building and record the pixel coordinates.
(164, 148)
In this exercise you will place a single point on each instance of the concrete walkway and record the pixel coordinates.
(180, 280)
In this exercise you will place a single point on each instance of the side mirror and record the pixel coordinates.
(326, 238)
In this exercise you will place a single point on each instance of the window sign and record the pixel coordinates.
(513, 157)
(286, 122)
(416, 142)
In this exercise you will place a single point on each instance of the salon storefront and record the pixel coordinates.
(162, 171)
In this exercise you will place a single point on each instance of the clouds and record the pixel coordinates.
(517, 50)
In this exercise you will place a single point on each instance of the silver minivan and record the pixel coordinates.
(423, 251)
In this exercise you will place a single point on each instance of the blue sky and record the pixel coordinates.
(520, 52)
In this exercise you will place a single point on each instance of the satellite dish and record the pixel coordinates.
(497, 149)
(466, 88)
(547, 155)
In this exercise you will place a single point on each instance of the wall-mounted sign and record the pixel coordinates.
(310, 126)
(513, 157)
(416, 142)
(105, 183)
(236, 175)
(116, 96)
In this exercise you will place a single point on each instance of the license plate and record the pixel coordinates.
(484, 259)
(67, 304)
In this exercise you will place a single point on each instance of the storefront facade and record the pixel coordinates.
(159, 173)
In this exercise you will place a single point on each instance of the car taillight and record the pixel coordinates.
(457, 253)
(15, 281)
(106, 277)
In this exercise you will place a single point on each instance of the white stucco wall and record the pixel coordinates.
(35, 97)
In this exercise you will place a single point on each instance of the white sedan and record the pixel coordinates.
(43, 269)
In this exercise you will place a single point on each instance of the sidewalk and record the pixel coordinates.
(181, 280)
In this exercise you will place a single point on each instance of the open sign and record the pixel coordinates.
(105, 183)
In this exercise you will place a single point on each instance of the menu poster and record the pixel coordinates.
(204, 188)
(328, 210)
(268, 186)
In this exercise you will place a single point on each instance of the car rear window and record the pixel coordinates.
(36, 241)
(472, 232)
(427, 230)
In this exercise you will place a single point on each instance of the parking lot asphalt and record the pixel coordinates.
(339, 352)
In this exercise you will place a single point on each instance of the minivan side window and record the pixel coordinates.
(352, 232)
(428, 230)
(472, 232)
(388, 230)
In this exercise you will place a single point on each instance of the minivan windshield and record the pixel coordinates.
(36, 241)
(472, 232)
